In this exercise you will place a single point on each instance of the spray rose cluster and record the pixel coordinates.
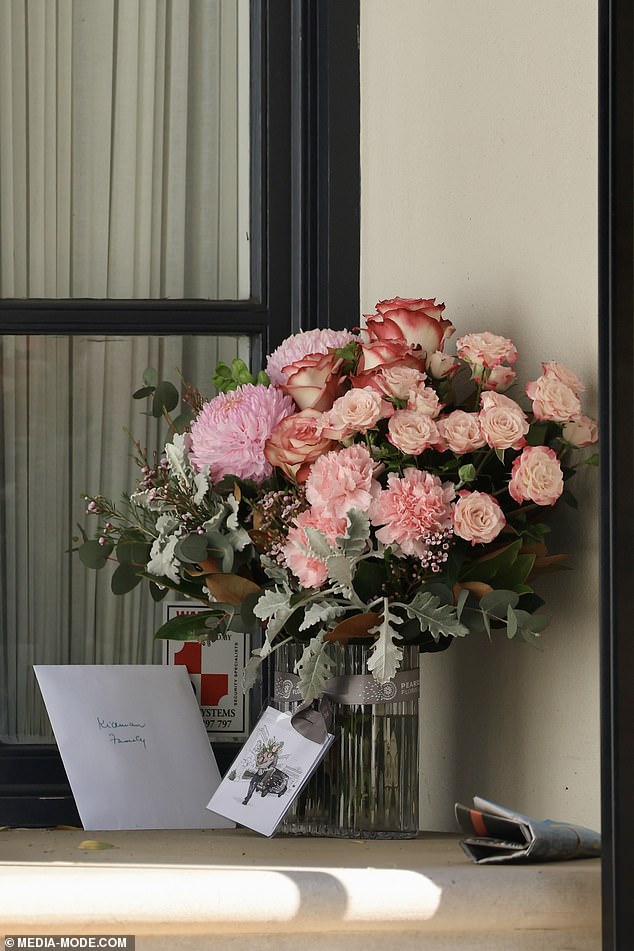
(372, 482)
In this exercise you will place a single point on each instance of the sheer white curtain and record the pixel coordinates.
(123, 174)
(124, 148)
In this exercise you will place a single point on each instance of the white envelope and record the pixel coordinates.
(133, 744)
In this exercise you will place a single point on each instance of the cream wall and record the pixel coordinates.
(479, 171)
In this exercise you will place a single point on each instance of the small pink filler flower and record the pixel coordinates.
(230, 431)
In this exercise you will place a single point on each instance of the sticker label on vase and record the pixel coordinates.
(215, 671)
(268, 773)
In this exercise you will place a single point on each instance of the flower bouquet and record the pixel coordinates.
(368, 492)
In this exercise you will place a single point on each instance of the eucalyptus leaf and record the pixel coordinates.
(124, 579)
(165, 399)
(94, 555)
(157, 592)
(143, 392)
(191, 549)
(150, 377)
(132, 553)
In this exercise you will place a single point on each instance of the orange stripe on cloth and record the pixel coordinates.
(477, 821)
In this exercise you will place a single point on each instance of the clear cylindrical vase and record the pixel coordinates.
(367, 784)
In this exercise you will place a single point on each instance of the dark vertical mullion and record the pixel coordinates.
(617, 459)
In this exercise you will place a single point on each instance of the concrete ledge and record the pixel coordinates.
(205, 889)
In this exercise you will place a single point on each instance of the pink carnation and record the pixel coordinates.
(342, 480)
(411, 508)
(230, 431)
(308, 569)
(301, 345)
(536, 476)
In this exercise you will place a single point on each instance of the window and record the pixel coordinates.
(302, 271)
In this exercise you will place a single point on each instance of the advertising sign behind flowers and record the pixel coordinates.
(369, 484)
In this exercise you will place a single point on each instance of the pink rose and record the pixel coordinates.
(486, 349)
(296, 442)
(552, 399)
(397, 381)
(342, 480)
(536, 476)
(355, 412)
(424, 399)
(310, 570)
(461, 431)
(564, 375)
(416, 321)
(502, 421)
(380, 354)
(499, 379)
(581, 431)
(477, 517)
(314, 381)
(412, 432)
(441, 365)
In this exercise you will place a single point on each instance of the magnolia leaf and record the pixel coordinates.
(314, 668)
(189, 627)
(358, 625)
(320, 612)
(486, 567)
(385, 656)
(435, 617)
(157, 592)
(513, 575)
(230, 588)
(477, 588)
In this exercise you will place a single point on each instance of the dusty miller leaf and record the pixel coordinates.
(435, 617)
(318, 543)
(320, 612)
(385, 656)
(314, 668)
(355, 541)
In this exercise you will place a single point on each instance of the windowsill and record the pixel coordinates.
(210, 889)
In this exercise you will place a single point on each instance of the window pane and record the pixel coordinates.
(67, 418)
(124, 149)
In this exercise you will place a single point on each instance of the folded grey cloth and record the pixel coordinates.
(497, 834)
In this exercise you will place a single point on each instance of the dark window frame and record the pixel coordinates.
(305, 212)
(616, 363)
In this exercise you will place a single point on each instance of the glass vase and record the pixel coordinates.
(367, 784)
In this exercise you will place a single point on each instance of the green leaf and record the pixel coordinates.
(183, 420)
(165, 399)
(592, 460)
(124, 579)
(537, 434)
(157, 592)
(150, 377)
(143, 392)
(191, 548)
(263, 378)
(500, 454)
(132, 553)
(240, 372)
(467, 473)
(486, 568)
(188, 627)
(251, 623)
(513, 576)
(94, 555)
(570, 499)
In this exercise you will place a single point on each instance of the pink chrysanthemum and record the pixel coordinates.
(230, 431)
(301, 345)
(342, 480)
(411, 509)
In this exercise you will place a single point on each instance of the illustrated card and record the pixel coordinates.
(134, 746)
(268, 773)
